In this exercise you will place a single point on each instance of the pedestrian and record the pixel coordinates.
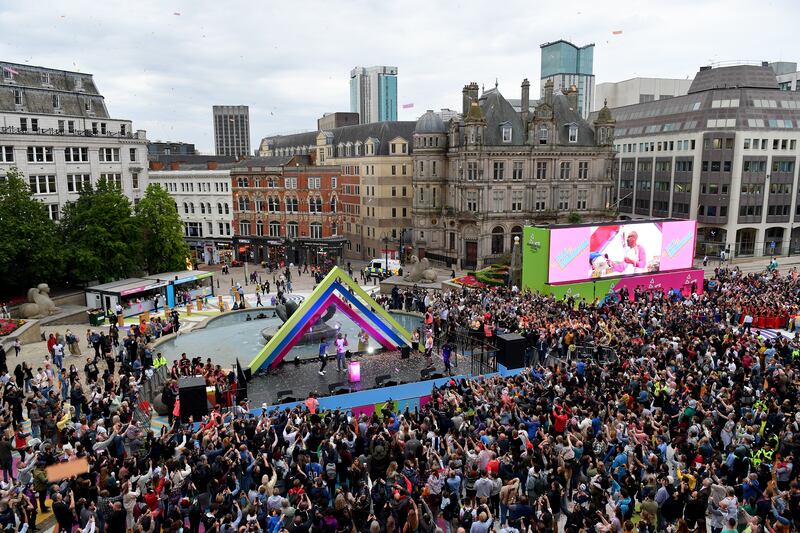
(323, 356)
(258, 300)
(429, 350)
(446, 350)
(341, 348)
(17, 347)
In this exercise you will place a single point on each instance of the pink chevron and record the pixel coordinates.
(355, 317)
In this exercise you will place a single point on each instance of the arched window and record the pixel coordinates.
(185, 208)
(208, 207)
(219, 208)
(498, 236)
(244, 227)
(333, 229)
(273, 204)
(259, 228)
(244, 203)
(191, 207)
(315, 204)
(241, 182)
(275, 229)
(333, 204)
(291, 230)
(316, 230)
(202, 208)
(291, 205)
(516, 231)
(227, 209)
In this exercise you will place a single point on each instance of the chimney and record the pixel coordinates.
(465, 99)
(526, 99)
(548, 92)
(175, 166)
(211, 165)
(572, 98)
(156, 165)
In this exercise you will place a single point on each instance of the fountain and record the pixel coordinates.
(319, 330)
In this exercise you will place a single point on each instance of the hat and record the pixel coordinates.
(582, 487)
(692, 403)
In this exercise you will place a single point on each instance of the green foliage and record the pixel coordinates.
(29, 246)
(492, 275)
(101, 237)
(161, 231)
(574, 218)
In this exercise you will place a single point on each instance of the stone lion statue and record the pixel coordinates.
(420, 271)
(39, 304)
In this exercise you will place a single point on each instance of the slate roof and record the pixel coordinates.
(498, 111)
(564, 116)
(273, 161)
(382, 131)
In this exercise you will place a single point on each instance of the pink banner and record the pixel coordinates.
(678, 244)
(569, 254)
(681, 280)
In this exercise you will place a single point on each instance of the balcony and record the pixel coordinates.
(13, 130)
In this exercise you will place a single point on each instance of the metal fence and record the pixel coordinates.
(467, 344)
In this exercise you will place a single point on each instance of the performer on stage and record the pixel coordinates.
(323, 359)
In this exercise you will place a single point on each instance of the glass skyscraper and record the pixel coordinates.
(566, 65)
(373, 93)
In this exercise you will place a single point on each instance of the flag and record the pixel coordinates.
(616, 32)
(11, 70)
(408, 106)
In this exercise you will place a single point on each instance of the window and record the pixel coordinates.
(6, 154)
(394, 169)
(583, 170)
(292, 205)
(472, 171)
(394, 191)
(290, 183)
(314, 183)
(56, 101)
(244, 203)
(78, 182)
(541, 200)
(783, 166)
(472, 201)
(499, 171)
(573, 134)
(516, 200)
(76, 155)
(315, 230)
(70, 126)
(542, 134)
(34, 124)
(18, 96)
(87, 104)
(133, 154)
(565, 170)
(291, 229)
(516, 172)
(23, 124)
(244, 227)
(273, 204)
(315, 205)
(333, 204)
(52, 211)
(506, 134)
(8, 73)
(42, 184)
(259, 228)
(498, 201)
(109, 155)
(541, 170)
(563, 199)
(40, 154)
(582, 201)
(498, 238)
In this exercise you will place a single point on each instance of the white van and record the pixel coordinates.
(378, 268)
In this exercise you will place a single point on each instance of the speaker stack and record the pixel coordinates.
(192, 395)
(511, 350)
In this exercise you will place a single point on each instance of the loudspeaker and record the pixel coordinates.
(426, 373)
(511, 350)
(382, 379)
(338, 388)
(405, 352)
(192, 395)
(286, 396)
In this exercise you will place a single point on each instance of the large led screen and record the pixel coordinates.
(612, 250)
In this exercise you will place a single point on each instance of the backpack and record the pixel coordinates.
(466, 517)
(330, 470)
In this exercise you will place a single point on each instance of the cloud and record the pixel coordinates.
(290, 61)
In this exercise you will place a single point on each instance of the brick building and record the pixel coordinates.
(286, 210)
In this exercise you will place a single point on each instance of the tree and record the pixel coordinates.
(101, 236)
(574, 217)
(29, 246)
(162, 231)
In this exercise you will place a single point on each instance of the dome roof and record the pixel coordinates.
(430, 122)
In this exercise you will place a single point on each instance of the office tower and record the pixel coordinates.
(566, 65)
(232, 130)
(373, 93)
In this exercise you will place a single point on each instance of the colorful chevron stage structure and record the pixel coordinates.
(339, 289)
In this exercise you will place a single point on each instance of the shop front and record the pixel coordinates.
(187, 286)
(135, 295)
(321, 252)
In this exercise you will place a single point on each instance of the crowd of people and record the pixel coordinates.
(693, 425)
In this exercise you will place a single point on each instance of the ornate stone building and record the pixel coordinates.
(480, 178)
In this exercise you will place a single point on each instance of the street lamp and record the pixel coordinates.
(385, 239)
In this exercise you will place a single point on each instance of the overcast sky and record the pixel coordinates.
(163, 64)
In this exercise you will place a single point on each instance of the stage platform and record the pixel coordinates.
(304, 377)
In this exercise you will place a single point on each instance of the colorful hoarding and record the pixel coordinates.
(586, 253)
